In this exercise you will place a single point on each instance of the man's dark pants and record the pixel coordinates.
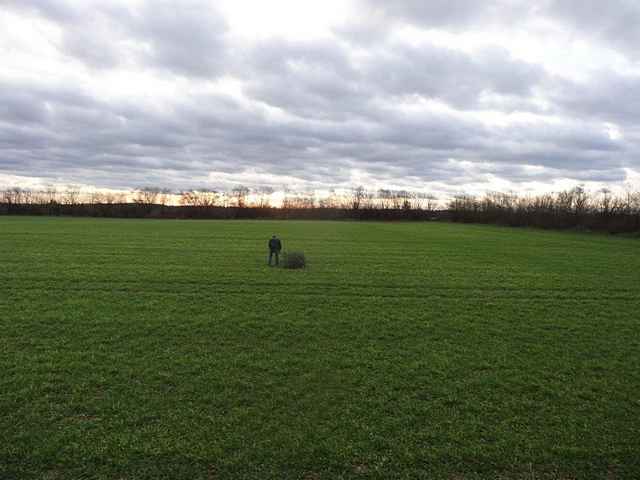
(275, 253)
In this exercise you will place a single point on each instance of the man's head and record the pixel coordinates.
(274, 237)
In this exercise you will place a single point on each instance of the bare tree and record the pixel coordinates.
(384, 198)
(165, 195)
(28, 196)
(188, 198)
(14, 195)
(51, 194)
(263, 197)
(396, 200)
(200, 198)
(119, 197)
(239, 195)
(147, 195)
(605, 202)
(358, 196)
(331, 201)
(299, 201)
(430, 202)
(96, 198)
(406, 199)
(71, 195)
(633, 201)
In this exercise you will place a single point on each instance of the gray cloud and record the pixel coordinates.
(452, 76)
(61, 11)
(212, 133)
(189, 40)
(320, 80)
(451, 14)
(615, 22)
(321, 110)
(608, 96)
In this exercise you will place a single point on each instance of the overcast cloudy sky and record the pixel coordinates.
(435, 95)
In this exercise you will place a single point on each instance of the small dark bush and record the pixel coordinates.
(294, 260)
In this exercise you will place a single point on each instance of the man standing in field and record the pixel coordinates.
(275, 246)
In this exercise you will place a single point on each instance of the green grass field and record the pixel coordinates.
(168, 349)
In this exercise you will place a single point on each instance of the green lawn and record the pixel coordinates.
(140, 349)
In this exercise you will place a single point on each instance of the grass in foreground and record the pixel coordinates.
(168, 349)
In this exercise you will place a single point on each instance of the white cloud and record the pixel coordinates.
(291, 19)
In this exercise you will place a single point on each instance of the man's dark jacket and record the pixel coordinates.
(275, 245)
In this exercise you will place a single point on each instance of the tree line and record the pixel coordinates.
(575, 208)
(238, 202)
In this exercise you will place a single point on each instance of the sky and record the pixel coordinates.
(439, 96)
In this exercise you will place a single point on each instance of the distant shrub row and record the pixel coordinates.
(571, 209)
(131, 210)
(575, 208)
(238, 203)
